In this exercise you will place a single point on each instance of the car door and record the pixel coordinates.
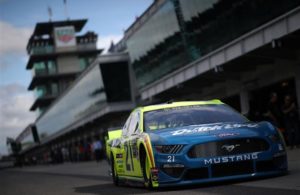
(124, 147)
(135, 135)
(132, 164)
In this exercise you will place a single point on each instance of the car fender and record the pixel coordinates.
(111, 142)
(145, 142)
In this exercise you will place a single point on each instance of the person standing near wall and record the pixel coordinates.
(97, 147)
(274, 113)
(80, 151)
(74, 152)
(291, 121)
(65, 154)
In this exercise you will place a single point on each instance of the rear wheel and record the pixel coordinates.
(114, 171)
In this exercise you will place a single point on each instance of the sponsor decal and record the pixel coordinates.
(279, 154)
(65, 36)
(212, 128)
(134, 150)
(182, 108)
(173, 165)
(228, 159)
(227, 134)
(155, 178)
(119, 161)
(154, 174)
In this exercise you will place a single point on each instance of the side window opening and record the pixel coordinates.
(125, 128)
(134, 123)
(136, 129)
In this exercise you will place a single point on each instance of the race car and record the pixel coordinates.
(183, 143)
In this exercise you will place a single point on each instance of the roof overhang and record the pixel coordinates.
(42, 102)
(42, 57)
(266, 34)
(43, 28)
(107, 109)
(36, 80)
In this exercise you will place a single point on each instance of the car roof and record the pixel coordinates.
(178, 104)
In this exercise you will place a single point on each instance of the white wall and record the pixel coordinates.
(68, 64)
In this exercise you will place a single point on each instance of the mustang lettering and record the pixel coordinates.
(227, 159)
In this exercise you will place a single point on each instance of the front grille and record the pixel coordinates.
(228, 147)
(173, 171)
(199, 173)
(263, 166)
(233, 168)
(279, 161)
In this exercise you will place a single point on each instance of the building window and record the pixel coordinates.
(40, 91)
(44, 68)
(84, 62)
(52, 67)
(40, 68)
(65, 84)
(54, 88)
(41, 110)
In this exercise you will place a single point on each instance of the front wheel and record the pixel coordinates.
(146, 172)
(114, 171)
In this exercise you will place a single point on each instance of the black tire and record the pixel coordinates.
(147, 179)
(114, 174)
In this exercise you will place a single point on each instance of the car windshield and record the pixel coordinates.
(190, 115)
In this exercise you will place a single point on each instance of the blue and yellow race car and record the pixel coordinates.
(184, 143)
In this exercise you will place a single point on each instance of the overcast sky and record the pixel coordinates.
(108, 18)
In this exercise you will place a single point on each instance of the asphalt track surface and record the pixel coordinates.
(92, 178)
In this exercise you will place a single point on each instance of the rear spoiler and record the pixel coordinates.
(114, 134)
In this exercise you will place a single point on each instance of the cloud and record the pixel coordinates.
(15, 102)
(105, 41)
(12, 40)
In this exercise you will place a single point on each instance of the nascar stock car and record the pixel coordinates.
(184, 143)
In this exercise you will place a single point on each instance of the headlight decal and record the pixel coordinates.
(149, 149)
(169, 149)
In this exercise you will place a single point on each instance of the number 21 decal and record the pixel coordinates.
(129, 161)
(171, 159)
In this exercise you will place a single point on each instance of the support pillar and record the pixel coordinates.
(297, 86)
(244, 101)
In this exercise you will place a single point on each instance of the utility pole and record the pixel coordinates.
(66, 10)
(50, 13)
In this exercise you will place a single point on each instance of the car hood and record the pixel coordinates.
(209, 132)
